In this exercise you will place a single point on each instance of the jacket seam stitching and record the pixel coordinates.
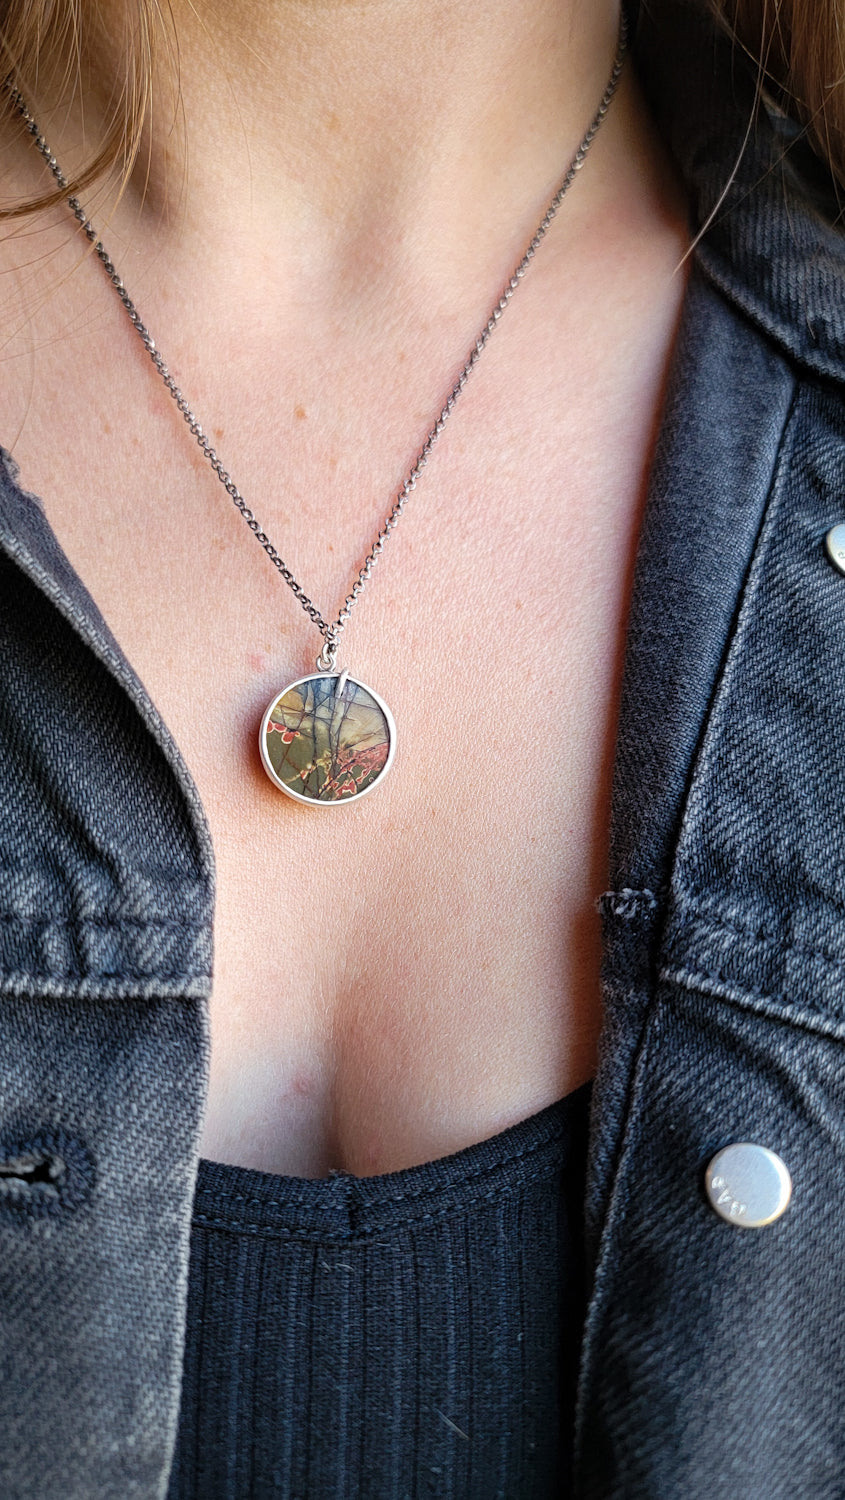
(613, 1225)
(766, 938)
(142, 988)
(178, 923)
(751, 1000)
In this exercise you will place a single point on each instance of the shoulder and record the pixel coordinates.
(737, 623)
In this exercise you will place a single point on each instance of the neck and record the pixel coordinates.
(370, 125)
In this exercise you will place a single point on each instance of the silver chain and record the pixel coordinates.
(331, 633)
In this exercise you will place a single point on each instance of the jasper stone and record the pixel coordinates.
(326, 739)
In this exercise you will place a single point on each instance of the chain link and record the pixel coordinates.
(331, 632)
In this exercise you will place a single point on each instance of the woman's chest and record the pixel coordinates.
(397, 978)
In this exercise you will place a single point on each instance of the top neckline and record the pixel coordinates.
(344, 1206)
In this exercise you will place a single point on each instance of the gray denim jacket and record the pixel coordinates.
(714, 1356)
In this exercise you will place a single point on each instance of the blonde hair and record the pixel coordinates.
(797, 46)
(44, 46)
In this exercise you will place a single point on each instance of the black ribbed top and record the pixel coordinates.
(388, 1338)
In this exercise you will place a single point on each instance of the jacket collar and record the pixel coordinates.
(771, 240)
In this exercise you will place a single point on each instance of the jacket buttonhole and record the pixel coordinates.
(45, 1173)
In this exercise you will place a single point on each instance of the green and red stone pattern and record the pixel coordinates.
(326, 746)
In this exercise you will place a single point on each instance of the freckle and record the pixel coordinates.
(107, 427)
(333, 122)
(218, 433)
(401, 355)
(331, 548)
(332, 463)
(300, 413)
(518, 604)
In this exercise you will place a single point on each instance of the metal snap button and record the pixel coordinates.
(747, 1184)
(835, 546)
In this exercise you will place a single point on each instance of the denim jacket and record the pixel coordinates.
(713, 1362)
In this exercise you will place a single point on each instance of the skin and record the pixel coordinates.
(315, 247)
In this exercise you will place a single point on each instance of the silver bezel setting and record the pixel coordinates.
(338, 801)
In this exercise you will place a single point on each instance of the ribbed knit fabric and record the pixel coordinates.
(388, 1338)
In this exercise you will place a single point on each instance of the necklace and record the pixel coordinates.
(327, 739)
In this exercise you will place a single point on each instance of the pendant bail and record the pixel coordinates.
(327, 660)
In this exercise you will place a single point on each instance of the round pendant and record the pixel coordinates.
(327, 739)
